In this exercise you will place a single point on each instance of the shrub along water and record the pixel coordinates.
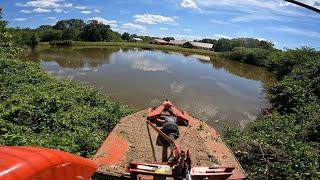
(40, 110)
(254, 56)
(285, 143)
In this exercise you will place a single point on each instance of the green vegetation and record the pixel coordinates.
(94, 31)
(254, 56)
(145, 46)
(61, 43)
(39, 110)
(284, 143)
(224, 45)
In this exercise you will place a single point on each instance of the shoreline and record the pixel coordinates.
(139, 45)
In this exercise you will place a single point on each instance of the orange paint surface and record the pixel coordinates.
(112, 151)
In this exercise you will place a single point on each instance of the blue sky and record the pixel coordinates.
(275, 20)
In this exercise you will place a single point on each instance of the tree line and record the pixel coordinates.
(94, 31)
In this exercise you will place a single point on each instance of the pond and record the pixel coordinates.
(222, 92)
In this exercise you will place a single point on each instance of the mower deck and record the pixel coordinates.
(129, 142)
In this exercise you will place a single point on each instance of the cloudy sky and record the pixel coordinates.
(284, 24)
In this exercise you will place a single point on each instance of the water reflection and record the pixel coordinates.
(219, 91)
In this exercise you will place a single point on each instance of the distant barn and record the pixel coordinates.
(197, 45)
(137, 40)
(158, 41)
(177, 42)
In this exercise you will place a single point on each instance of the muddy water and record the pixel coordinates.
(218, 91)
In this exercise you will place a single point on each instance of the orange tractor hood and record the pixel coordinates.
(40, 163)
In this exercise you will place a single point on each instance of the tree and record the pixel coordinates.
(125, 36)
(223, 45)
(49, 35)
(3, 25)
(95, 31)
(33, 41)
(71, 23)
(266, 45)
(70, 34)
(168, 38)
(44, 27)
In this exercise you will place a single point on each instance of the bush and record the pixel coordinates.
(282, 63)
(61, 43)
(39, 110)
(301, 87)
(254, 56)
(286, 143)
(33, 41)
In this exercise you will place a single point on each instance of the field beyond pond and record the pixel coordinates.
(140, 45)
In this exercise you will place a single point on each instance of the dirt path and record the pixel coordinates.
(129, 141)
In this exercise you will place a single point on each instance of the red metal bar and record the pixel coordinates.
(182, 117)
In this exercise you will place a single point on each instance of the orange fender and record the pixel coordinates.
(22, 162)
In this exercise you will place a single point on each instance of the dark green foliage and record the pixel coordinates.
(283, 62)
(71, 34)
(47, 35)
(72, 29)
(223, 45)
(168, 38)
(69, 24)
(95, 31)
(301, 87)
(33, 41)
(125, 36)
(7, 47)
(3, 23)
(286, 143)
(39, 110)
(61, 43)
(254, 56)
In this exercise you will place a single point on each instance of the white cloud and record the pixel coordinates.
(270, 7)
(219, 22)
(68, 5)
(257, 16)
(260, 39)
(112, 23)
(57, 10)
(41, 10)
(80, 7)
(25, 11)
(97, 10)
(45, 4)
(50, 17)
(153, 19)
(299, 32)
(220, 36)
(85, 12)
(188, 30)
(42, 6)
(164, 29)
(134, 27)
(188, 37)
(189, 4)
(20, 19)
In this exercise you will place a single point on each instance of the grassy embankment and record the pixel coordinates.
(285, 142)
(140, 45)
(39, 110)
